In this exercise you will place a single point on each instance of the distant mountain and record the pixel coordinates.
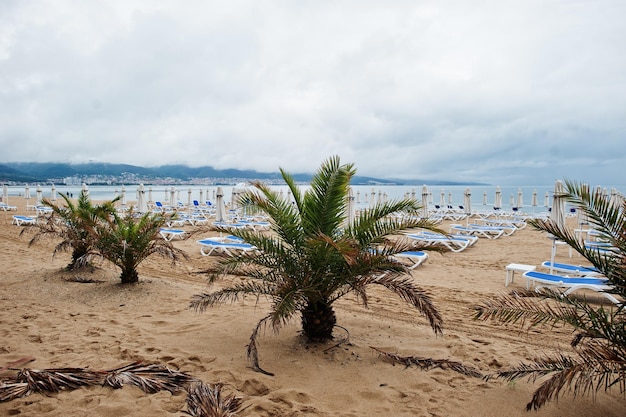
(51, 171)
(8, 174)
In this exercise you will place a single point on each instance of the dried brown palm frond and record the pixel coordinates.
(429, 363)
(206, 400)
(149, 378)
(28, 381)
(11, 390)
(597, 367)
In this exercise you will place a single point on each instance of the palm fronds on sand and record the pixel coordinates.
(28, 381)
(429, 363)
(206, 400)
(149, 378)
(203, 400)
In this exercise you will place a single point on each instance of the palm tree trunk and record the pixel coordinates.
(318, 321)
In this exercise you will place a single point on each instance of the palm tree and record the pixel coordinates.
(75, 225)
(127, 240)
(600, 332)
(312, 258)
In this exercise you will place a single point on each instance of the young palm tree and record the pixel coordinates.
(128, 240)
(75, 225)
(600, 339)
(312, 258)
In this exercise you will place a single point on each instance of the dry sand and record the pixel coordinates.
(105, 325)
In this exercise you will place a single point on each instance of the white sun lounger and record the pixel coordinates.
(488, 232)
(23, 220)
(455, 244)
(416, 258)
(578, 270)
(596, 284)
(169, 234)
(6, 207)
(517, 224)
(209, 246)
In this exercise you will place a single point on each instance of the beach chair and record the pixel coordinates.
(169, 234)
(599, 285)
(517, 224)
(488, 232)
(213, 245)
(415, 258)
(577, 270)
(6, 207)
(454, 244)
(23, 220)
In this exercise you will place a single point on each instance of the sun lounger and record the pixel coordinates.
(518, 224)
(454, 244)
(416, 258)
(169, 234)
(488, 232)
(599, 285)
(23, 220)
(209, 246)
(570, 269)
(6, 207)
(507, 229)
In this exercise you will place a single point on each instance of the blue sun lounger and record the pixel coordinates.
(578, 270)
(599, 285)
(224, 247)
(416, 258)
(23, 220)
(169, 234)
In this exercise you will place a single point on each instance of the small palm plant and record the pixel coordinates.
(127, 240)
(312, 257)
(600, 340)
(75, 224)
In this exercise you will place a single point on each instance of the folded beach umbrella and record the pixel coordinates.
(173, 197)
(485, 198)
(442, 198)
(53, 193)
(85, 189)
(358, 197)
(39, 194)
(546, 200)
(557, 215)
(189, 204)
(425, 194)
(5, 194)
(142, 205)
(350, 208)
(220, 210)
(520, 198)
(150, 195)
(27, 192)
(498, 198)
(534, 202)
(467, 202)
(123, 198)
(201, 194)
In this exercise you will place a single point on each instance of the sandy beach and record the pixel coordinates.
(103, 325)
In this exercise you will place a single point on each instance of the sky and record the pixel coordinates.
(497, 91)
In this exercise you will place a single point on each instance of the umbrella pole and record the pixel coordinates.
(553, 254)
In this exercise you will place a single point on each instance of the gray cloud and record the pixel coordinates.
(519, 92)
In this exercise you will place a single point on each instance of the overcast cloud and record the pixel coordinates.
(508, 92)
